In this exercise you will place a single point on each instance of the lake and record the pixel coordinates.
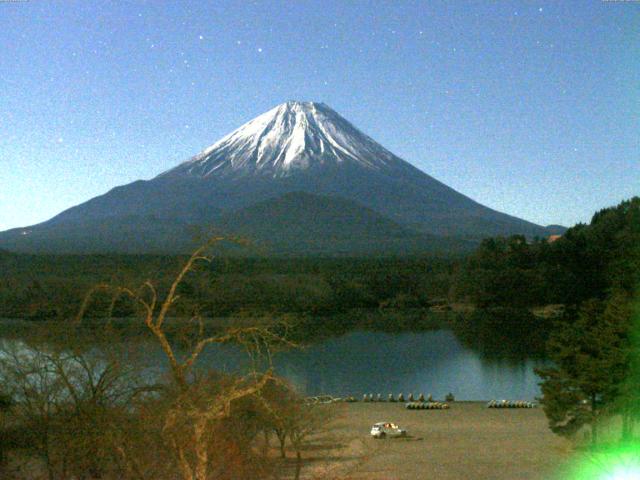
(426, 362)
(429, 362)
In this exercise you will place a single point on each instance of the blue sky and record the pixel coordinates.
(531, 108)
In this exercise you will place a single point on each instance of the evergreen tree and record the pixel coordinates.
(590, 356)
(622, 311)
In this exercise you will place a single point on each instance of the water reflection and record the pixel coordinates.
(373, 362)
(431, 362)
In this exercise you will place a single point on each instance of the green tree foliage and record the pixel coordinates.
(91, 411)
(596, 350)
(51, 288)
(589, 354)
(588, 261)
(623, 310)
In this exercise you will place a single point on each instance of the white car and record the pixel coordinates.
(387, 429)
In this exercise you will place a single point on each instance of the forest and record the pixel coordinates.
(571, 300)
(511, 285)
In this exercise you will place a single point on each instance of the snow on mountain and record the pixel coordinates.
(299, 167)
(291, 137)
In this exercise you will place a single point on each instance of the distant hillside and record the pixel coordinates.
(303, 223)
(130, 234)
(293, 224)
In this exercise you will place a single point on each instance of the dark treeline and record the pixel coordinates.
(588, 261)
(52, 287)
(576, 301)
(572, 299)
(595, 345)
(509, 289)
(73, 406)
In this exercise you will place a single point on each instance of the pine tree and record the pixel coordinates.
(590, 356)
(622, 311)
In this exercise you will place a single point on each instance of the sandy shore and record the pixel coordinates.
(468, 441)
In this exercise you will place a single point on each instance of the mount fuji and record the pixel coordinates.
(297, 179)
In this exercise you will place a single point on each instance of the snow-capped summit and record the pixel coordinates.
(290, 137)
(299, 177)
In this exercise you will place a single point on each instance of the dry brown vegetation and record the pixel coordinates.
(90, 411)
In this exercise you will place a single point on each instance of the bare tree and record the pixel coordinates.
(66, 401)
(195, 409)
(291, 417)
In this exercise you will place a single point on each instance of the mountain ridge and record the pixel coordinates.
(300, 222)
(294, 147)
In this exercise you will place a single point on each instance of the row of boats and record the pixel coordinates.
(421, 403)
(427, 406)
(410, 398)
(510, 404)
